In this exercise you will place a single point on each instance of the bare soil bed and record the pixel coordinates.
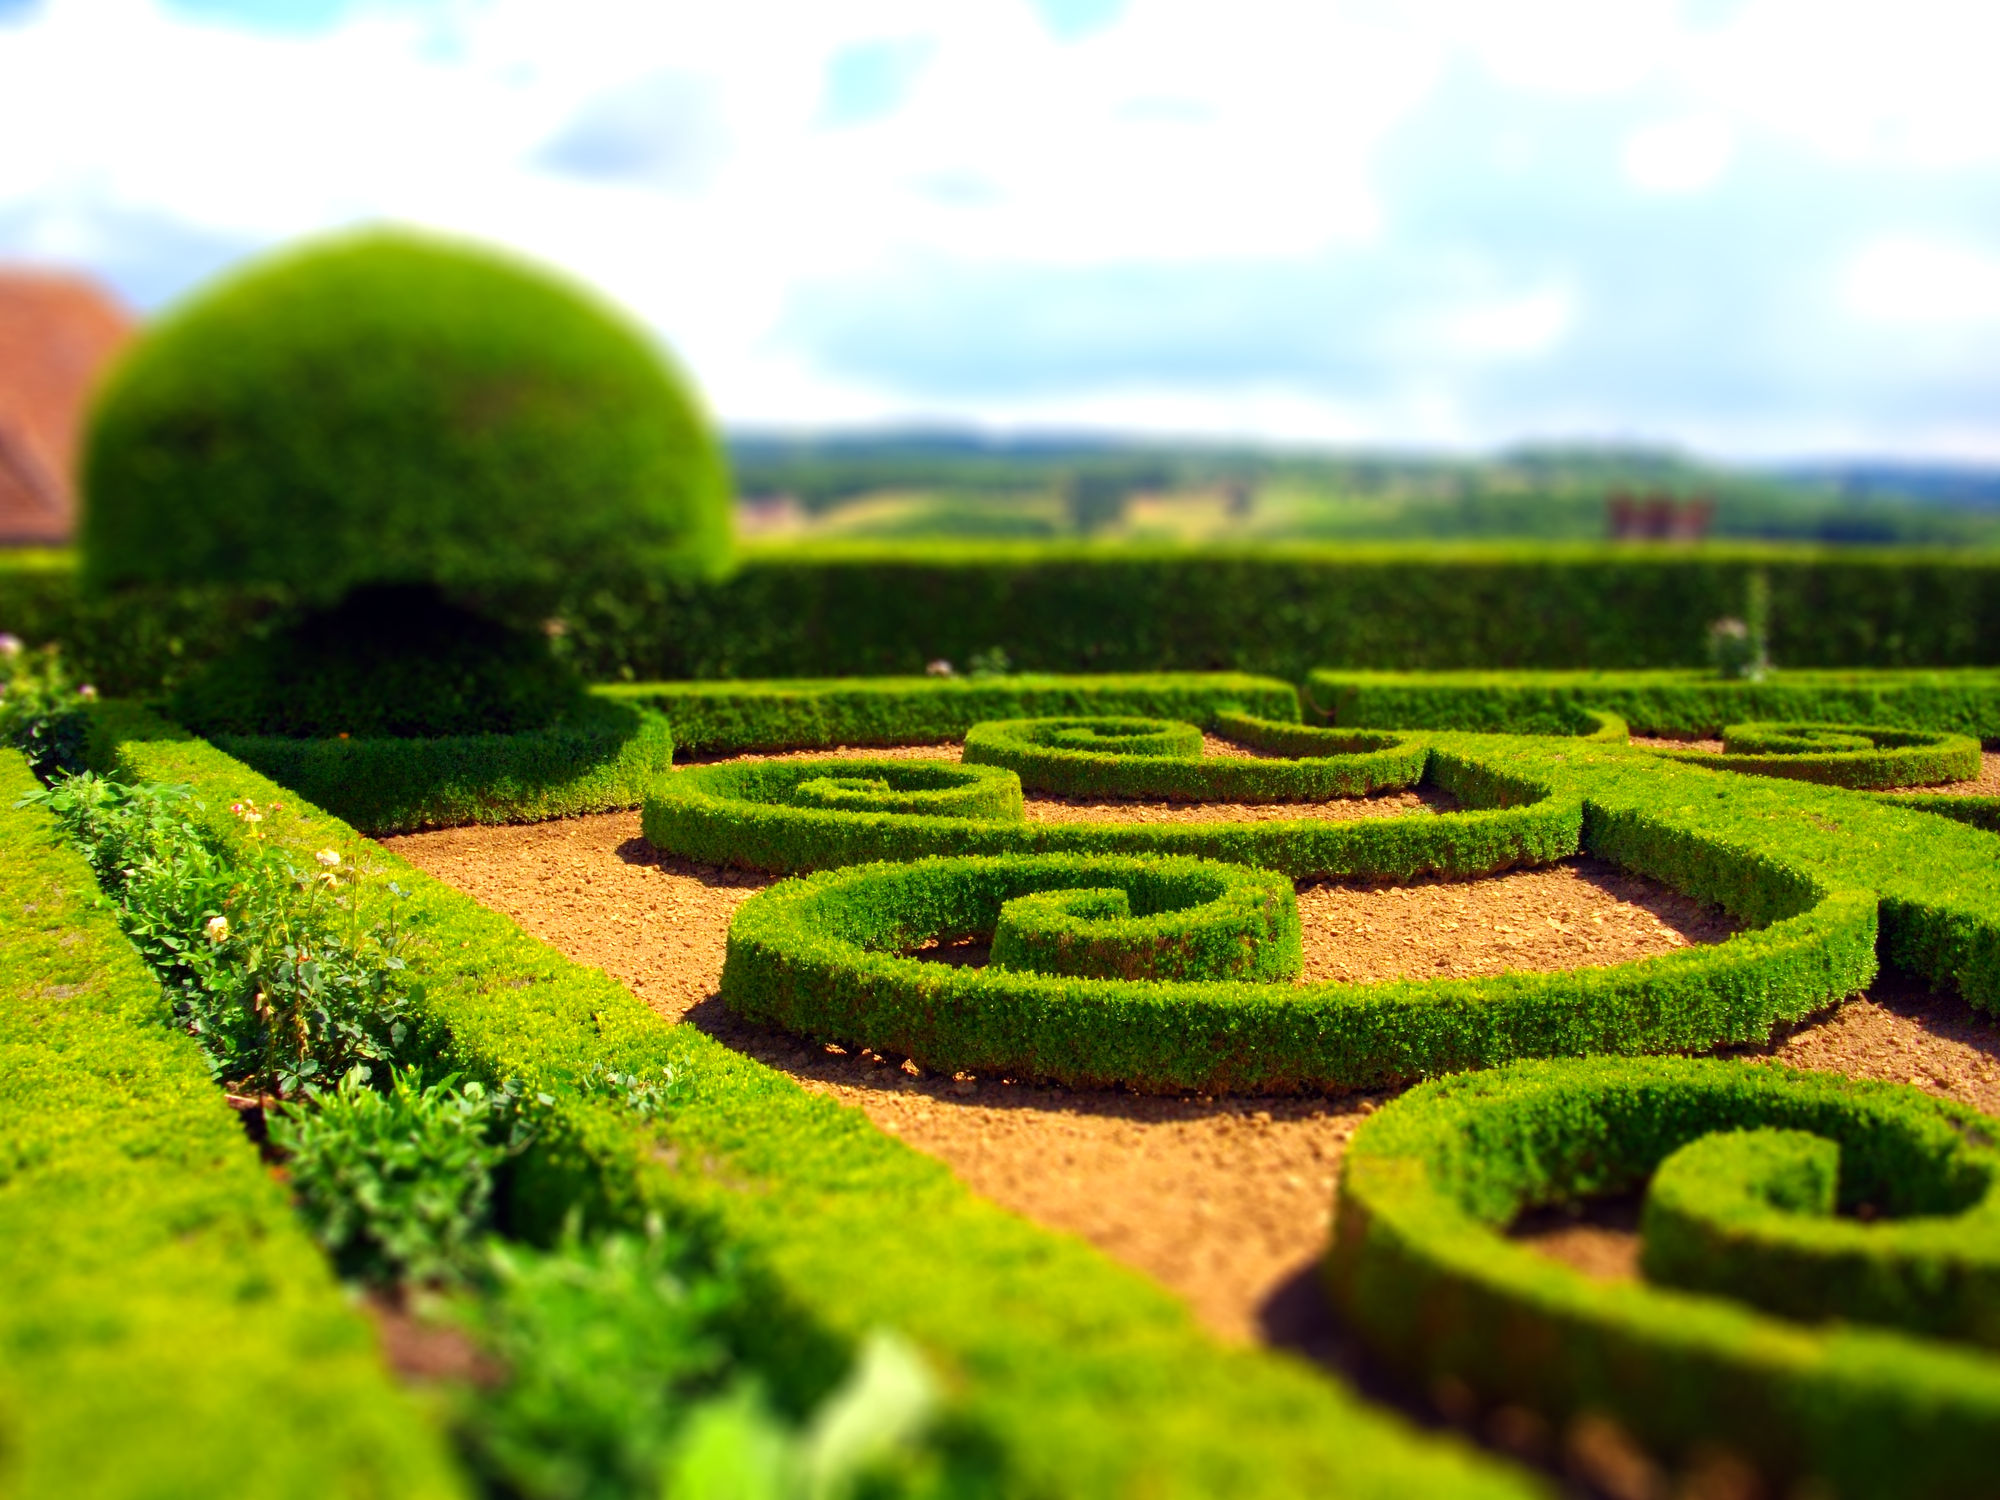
(1225, 1201)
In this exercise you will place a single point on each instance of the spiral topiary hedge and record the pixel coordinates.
(1861, 756)
(1847, 1404)
(828, 956)
(1156, 758)
(748, 814)
(1210, 922)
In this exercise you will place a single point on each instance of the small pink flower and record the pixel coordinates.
(10, 644)
(87, 692)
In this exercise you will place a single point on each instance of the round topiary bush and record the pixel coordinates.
(390, 407)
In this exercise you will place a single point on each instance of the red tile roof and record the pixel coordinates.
(57, 334)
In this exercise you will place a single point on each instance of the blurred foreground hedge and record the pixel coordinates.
(839, 610)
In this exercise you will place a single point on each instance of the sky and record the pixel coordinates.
(1763, 229)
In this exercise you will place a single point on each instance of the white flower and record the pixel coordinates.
(939, 668)
(329, 858)
(217, 929)
(10, 644)
(87, 692)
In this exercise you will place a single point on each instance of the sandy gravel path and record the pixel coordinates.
(1224, 1201)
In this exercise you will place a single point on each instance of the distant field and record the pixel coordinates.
(915, 487)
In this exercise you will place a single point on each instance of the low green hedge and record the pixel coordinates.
(1070, 1375)
(1976, 812)
(1425, 1275)
(1133, 758)
(1685, 703)
(825, 610)
(1751, 1215)
(934, 789)
(605, 757)
(808, 714)
(1861, 756)
(824, 956)
(745, 813)
(1162, 919)
(166, 1326)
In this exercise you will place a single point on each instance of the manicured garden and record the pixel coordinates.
(307, 1142)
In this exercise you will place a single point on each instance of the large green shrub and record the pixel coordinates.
(392, 407)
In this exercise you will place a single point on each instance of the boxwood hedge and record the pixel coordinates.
(1069, 1375)
(827, 956)
(1693, 704)
(819, 713)
(166, 1326)
(1425, 1274)
(746, 813)
(1103, 757)
(1862, 756)
(606, 755)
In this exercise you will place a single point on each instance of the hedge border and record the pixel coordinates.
(821, 713)
(1070, 1374)
(1430, 1284)
(954, 791)
(816, 956)
(606, 758)
(1685, 704)
(1344, 765)
(1160, 920)
(1750, 1215)
(1899, 757)
(702, 813)
(149, 1260)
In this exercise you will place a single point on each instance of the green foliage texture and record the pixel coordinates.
(820, 713)
(827, 611)
(162, 1313)
(1689, 704)
(1852, 755)
(1067, 1375)
(1423, 1270)
(387, 406)
(1093, 758)
(602, 756)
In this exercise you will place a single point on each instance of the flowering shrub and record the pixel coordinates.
(41, 710)
(267, 964)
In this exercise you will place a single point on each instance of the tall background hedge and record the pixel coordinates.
(825, 610)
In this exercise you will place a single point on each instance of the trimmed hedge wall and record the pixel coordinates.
(166, 1325)
(1751, 1215)
(823, 956)
(1690, 704)
(1071, 1376)
(745, 813)
(1850, 755)
(1091, 758)
(1426, 1277)
(858, 610)
(1158, 919)
(734, 717)
(606, 757)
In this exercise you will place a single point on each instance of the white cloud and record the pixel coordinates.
(1679, 156)
(1919, 283)
(1260, 145)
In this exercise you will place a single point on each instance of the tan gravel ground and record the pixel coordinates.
(1226, 1202)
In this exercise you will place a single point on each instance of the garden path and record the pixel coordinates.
(1225, 1201)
